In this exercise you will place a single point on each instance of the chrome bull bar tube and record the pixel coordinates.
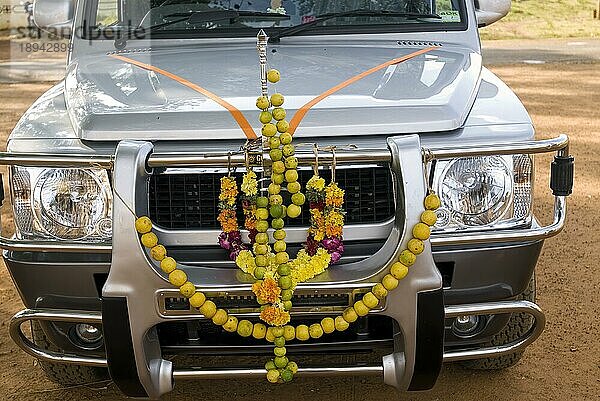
(490, 308)
(560, 144)
(48, 315)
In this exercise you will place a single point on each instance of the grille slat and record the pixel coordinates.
(190, 201)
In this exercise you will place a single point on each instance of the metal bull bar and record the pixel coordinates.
(491, 308)
(558, 145)
(130, 290)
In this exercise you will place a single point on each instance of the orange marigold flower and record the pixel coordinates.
(275, 316)
(334, 224)
(250, 214)
(228, 220)
(266, 290)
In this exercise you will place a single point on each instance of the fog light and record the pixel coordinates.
(465, 325)
(87, 333)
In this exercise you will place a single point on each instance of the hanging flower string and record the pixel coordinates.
(230, 238)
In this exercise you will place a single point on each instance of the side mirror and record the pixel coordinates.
(54, 16)
(490, 11)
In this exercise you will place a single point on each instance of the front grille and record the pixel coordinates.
(190, 201)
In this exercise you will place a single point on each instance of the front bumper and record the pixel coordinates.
(129, 314)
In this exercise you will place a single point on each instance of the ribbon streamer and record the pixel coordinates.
(235, 112)
(304, 109)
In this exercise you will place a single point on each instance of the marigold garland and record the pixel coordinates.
(280, 368)
(269, 263)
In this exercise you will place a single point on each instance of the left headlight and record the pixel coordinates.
(484, 192)
(62, 203)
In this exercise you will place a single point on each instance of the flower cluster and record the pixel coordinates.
(326, 218)
(230, 238)
(267, 290)
(249, 189)
(245, 261)
(305, 266)
(275, 315)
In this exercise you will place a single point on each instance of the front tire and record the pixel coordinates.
(518, 325)
(62, 373)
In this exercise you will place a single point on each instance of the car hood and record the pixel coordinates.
(112, 99)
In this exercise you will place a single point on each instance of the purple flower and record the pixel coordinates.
(224, 242)
(335, 256)
(235, 236)
(311, 245)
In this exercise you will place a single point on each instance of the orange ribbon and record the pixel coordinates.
(298, 116)
(235, 112)
(304, 109)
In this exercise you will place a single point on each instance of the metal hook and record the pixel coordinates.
(229, 164)
(427, 158)
(333, 163)
(316, 153)
(246, 159)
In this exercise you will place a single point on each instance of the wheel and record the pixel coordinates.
(517, 326)
(61, 373)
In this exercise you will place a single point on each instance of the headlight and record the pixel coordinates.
(487, 191)
(62, 203)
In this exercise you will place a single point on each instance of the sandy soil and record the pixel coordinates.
(563, 364)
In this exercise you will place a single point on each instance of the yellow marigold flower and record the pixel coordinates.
(249, 184)
(245, 261)
(305, 267)
(316, 183)
(334, 195)
(275, 316)
(267, 290)
(229, 190)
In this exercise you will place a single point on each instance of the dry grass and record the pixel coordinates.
(533, 19)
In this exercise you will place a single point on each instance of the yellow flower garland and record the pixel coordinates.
(279, 335)
(276, 274)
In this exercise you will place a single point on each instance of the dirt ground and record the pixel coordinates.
(563, 364)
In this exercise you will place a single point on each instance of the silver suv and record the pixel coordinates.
(154, 109)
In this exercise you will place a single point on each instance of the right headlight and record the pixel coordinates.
(62, 203)
(484, 192)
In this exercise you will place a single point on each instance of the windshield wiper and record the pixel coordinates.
(361, 12)
(199, 17)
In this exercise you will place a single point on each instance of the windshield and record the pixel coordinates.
(176, 18)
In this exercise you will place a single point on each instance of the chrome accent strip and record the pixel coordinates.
(490, 308)
(217, 295)
(189, 374)
(56, 160)
(11, 244)
(531, 234)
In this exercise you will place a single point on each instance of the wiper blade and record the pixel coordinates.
(361, 12)
(198, 17)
